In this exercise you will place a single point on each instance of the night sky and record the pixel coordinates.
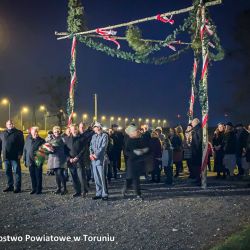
(29, 51)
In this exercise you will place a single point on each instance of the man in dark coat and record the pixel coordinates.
(136, 150)
(32, 144)
(12, 142)
(118, 141)
(75, 148)
(86, 133)
(196, 147)
(241, 141)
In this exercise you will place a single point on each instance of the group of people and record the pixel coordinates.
(92, 153)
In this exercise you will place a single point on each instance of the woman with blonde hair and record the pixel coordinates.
(57, 159)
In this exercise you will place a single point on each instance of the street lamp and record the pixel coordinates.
(111, 120)
(24, 110)
(125, 121)
(164, 122)
(159, 122)
(103, 118)
(43, 109)
(147, 120)
(85, 117)
(119, 119)
(153, 121)
(6, 101)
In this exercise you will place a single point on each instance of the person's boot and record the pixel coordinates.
(58, 191)
(8, 189)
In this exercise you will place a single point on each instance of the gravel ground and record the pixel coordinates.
(180, 217)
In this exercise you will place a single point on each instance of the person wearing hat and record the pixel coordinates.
(229, 147)
(98, 154)
(136, 149)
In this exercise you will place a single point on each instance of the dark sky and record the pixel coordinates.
(29, 51)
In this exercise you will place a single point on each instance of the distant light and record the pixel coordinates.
(25, 110)
(147, 120)
(119, 119)
(104, 128)
(119, 128)
(74, 114)
(42, 108)
(112, 118)
(103, 118)
(5, 101)
(126, 119)
(85, 116)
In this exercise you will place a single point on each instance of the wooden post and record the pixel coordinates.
(96, 108)
(204, 109)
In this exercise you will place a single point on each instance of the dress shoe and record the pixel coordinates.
(65, 191)
(8, 189)
(33, 192)
(39, 192)
(76, 195)
(105, 198)
(58, 191)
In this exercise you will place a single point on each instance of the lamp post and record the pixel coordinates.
(43, 109)
(111, 120)
(24, 110)
(6, 101)
(103, 119)
(164, 123)
(119, 120)
(125, 122)
(85, 117)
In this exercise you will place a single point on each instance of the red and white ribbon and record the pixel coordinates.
(73, 47)
(72, 84)
(106, 34)
(204, 120)
(206, 28)
(204, 158)
(165, 19)
(73, 79)
(195, 68)
(171, 47)
(191, 107)
(205, 66)
(70, 118)
(211, 45)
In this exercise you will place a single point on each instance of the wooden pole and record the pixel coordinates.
(204, 110)
(175, 12)
(96, 107)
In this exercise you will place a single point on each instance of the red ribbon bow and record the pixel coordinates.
(165, 19)
(106, 34)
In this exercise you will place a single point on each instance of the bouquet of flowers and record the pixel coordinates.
(43, 151)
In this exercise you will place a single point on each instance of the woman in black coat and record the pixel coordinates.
(218, 150)
(136, 150)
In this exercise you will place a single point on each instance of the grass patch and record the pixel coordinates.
(238, 241)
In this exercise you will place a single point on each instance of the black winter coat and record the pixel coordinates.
(241, 140)
(76, 146)
(196, 145)
(135, 163)
(30, 147)
(12, 142)
(230, 143)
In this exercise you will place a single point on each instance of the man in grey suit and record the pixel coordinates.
(98, 154)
